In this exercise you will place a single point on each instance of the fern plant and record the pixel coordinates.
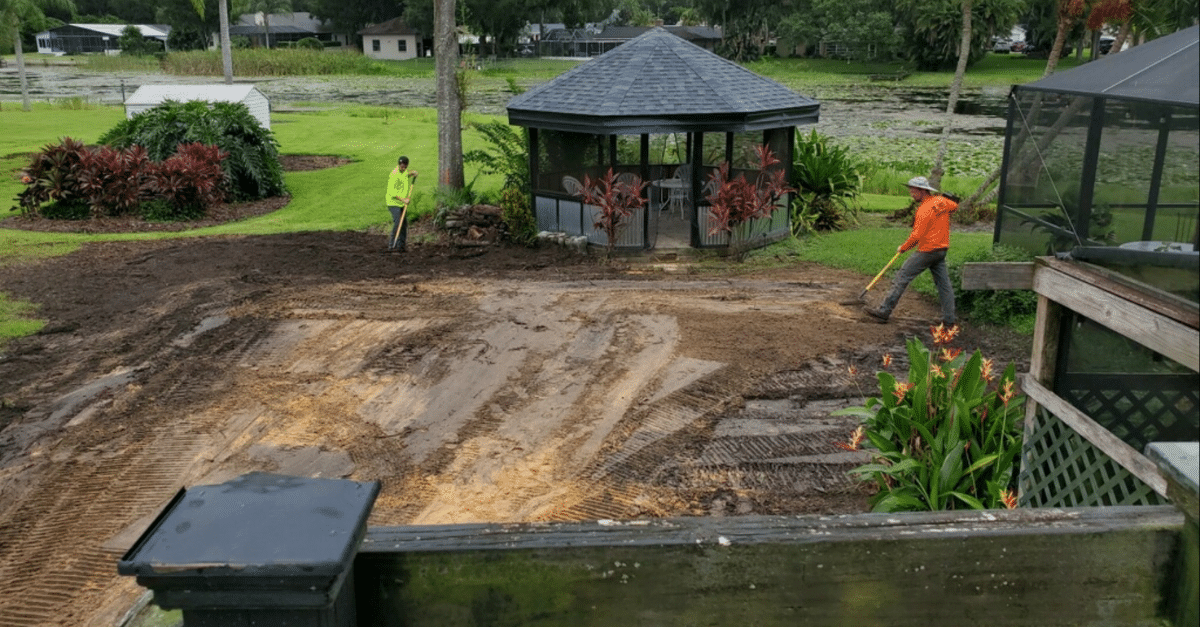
(507, 155)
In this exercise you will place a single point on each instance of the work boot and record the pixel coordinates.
(877, 315)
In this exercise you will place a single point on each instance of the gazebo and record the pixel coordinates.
(669, 112)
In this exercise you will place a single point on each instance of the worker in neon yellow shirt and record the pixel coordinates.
(399, 193)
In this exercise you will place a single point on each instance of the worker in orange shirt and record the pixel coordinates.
(931, 236)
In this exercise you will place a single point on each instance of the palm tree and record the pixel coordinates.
(964, 52)
(267, 7)
(449, 97)
(12, 14)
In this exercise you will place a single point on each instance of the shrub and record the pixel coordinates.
(519, 221)
(615, 200)
(829, 182)
(310, 43)
(251, 165)
(72, 181)
(949, 438)
(53, 177)
(1000, 307)
(190, 182)
(114, 181)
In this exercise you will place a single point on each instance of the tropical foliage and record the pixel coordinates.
(615, 200)
(72, 181)
(252, 169)
(947, 438)
(829, 182)
(736, 200)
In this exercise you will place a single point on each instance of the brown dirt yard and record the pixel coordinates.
(476, 382)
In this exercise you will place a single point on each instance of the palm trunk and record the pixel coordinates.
(267, 30)
(1122, 35)
(964, 53)
(226, 51)
(16, 31)
(449, 101)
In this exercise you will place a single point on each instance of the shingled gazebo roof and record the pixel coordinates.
(660, 83)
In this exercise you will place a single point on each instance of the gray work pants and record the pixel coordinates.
(917, 263)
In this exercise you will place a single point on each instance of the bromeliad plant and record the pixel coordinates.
(948, 438)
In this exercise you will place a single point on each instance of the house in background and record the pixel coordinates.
(393, 40)
(150, 96)
(93, 38)
(284, 28)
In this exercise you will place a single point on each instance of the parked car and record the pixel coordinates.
(1001, 45)
(1106, 44)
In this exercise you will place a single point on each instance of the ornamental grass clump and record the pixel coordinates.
(948, 438)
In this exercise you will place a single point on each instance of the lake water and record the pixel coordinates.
(887, 109)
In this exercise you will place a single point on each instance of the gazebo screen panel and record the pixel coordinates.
(562, 153)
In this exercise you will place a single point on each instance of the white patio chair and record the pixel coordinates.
(572, 185)
(679, 194)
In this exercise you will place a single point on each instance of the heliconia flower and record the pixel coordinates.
(948, 354)
(26, 179)
(900, 390)
(855, 440)
(1007, 392)
(943, 334)
(937, 370)
(853, 370)
(986, 372)
(887, 360)
(1010, 499)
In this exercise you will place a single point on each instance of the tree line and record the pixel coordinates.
(924, 33)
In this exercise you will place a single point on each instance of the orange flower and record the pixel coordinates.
(26, 179)
(856, 439)
(943, 334)
(853, 370)
(887, 360)
(987, 373)
(1007, 393)
(937, 370)
(948, 354)
(1010, 499)
(900, 390)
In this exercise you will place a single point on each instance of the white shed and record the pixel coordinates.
(150, 96)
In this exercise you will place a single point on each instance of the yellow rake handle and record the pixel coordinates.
(880, 275)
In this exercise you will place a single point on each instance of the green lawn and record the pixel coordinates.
(347, 198)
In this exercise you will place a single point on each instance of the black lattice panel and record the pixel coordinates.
(1139, 409)
(1059, 468)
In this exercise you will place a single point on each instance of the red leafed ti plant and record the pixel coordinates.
(616, 200)
(737, 201)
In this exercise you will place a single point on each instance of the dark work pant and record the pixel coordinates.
(917, 263)
(398, 236)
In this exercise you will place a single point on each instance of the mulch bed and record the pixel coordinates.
(228, 212)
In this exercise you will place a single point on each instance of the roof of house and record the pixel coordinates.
(394, 26)
(115, 30)
(1165, 70)
(690, 33)
(657, 82)
(158, 94)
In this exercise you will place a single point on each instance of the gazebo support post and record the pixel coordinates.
(1160, 157)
